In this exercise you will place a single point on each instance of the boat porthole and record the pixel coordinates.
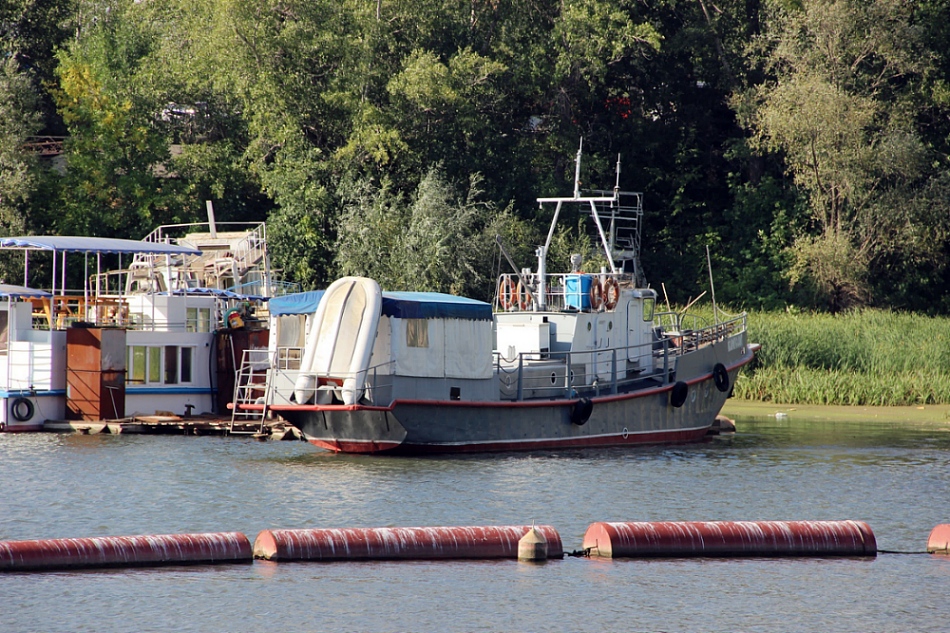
(610, 325)
(553, 377)
(21, 409)
(625, 433)
(588, 326)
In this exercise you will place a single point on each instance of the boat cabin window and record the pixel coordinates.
(169, 365)
(4, 330)
(649, 306)
(186, 355)
(198, 319)
(417, 333)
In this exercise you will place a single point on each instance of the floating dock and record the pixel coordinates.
(177, 425)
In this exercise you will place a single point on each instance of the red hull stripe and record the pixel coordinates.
(646, 437)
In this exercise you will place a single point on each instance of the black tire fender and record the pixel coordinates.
(678, 394)
(721, 377)
(581, 411)
(21, 409)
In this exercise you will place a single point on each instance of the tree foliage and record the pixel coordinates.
(841, 109)
(805, 142)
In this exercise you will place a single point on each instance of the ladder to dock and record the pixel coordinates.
(251, 392)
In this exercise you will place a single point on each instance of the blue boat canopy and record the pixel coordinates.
(434, 305)
(78, 244)
(401, 305)
(9, 290)
(297, 303)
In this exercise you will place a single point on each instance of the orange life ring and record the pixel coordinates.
(506, 293)
(596, 294)
(611, 293)
(522, 293)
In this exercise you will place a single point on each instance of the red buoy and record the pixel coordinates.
(731, 538)
(939, 540)
(125, 551)
(404, 543)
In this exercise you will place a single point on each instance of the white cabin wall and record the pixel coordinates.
(427, 361)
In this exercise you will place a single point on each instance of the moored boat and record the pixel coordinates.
(132, 340)
(573, 359)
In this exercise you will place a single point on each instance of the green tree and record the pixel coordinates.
(19, 120)
(841, 109)
(31, 31)
(438, 240)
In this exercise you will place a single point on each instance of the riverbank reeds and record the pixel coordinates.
(865, 357)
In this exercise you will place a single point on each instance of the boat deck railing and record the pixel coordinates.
(528, 375)
(572, 292)
(63, 311)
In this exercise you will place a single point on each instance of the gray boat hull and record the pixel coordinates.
(641, 416)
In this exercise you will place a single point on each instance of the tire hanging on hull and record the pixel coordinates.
(678, 394)
(721, 377)
(21, 410)
(581, 411)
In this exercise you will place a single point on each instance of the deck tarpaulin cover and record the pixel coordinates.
(449, 348)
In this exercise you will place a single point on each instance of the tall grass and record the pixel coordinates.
(867, 357)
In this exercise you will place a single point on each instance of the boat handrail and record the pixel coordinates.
(571, 292)
(664, 351)
(512, 375)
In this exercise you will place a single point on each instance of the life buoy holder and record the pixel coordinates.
(721, 377)
(580, 414)
(596, 294)
(611, 293)
(506, 293)
(521, 292)
(678, 394)
(21, 409)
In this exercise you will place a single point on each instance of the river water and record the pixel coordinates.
(894, 477)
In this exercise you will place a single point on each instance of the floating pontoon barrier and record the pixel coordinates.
(730, 538)
(125, 551)
(939, 540)
(403, 543)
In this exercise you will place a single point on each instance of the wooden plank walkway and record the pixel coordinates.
(176, 425)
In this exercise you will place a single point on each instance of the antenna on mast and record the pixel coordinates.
(577, 170)
(617, 183)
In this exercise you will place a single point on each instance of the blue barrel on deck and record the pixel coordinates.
(577, 292)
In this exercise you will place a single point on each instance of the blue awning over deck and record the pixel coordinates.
(9, 290)
(78, 244)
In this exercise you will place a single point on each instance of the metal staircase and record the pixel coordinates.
(622, 221)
